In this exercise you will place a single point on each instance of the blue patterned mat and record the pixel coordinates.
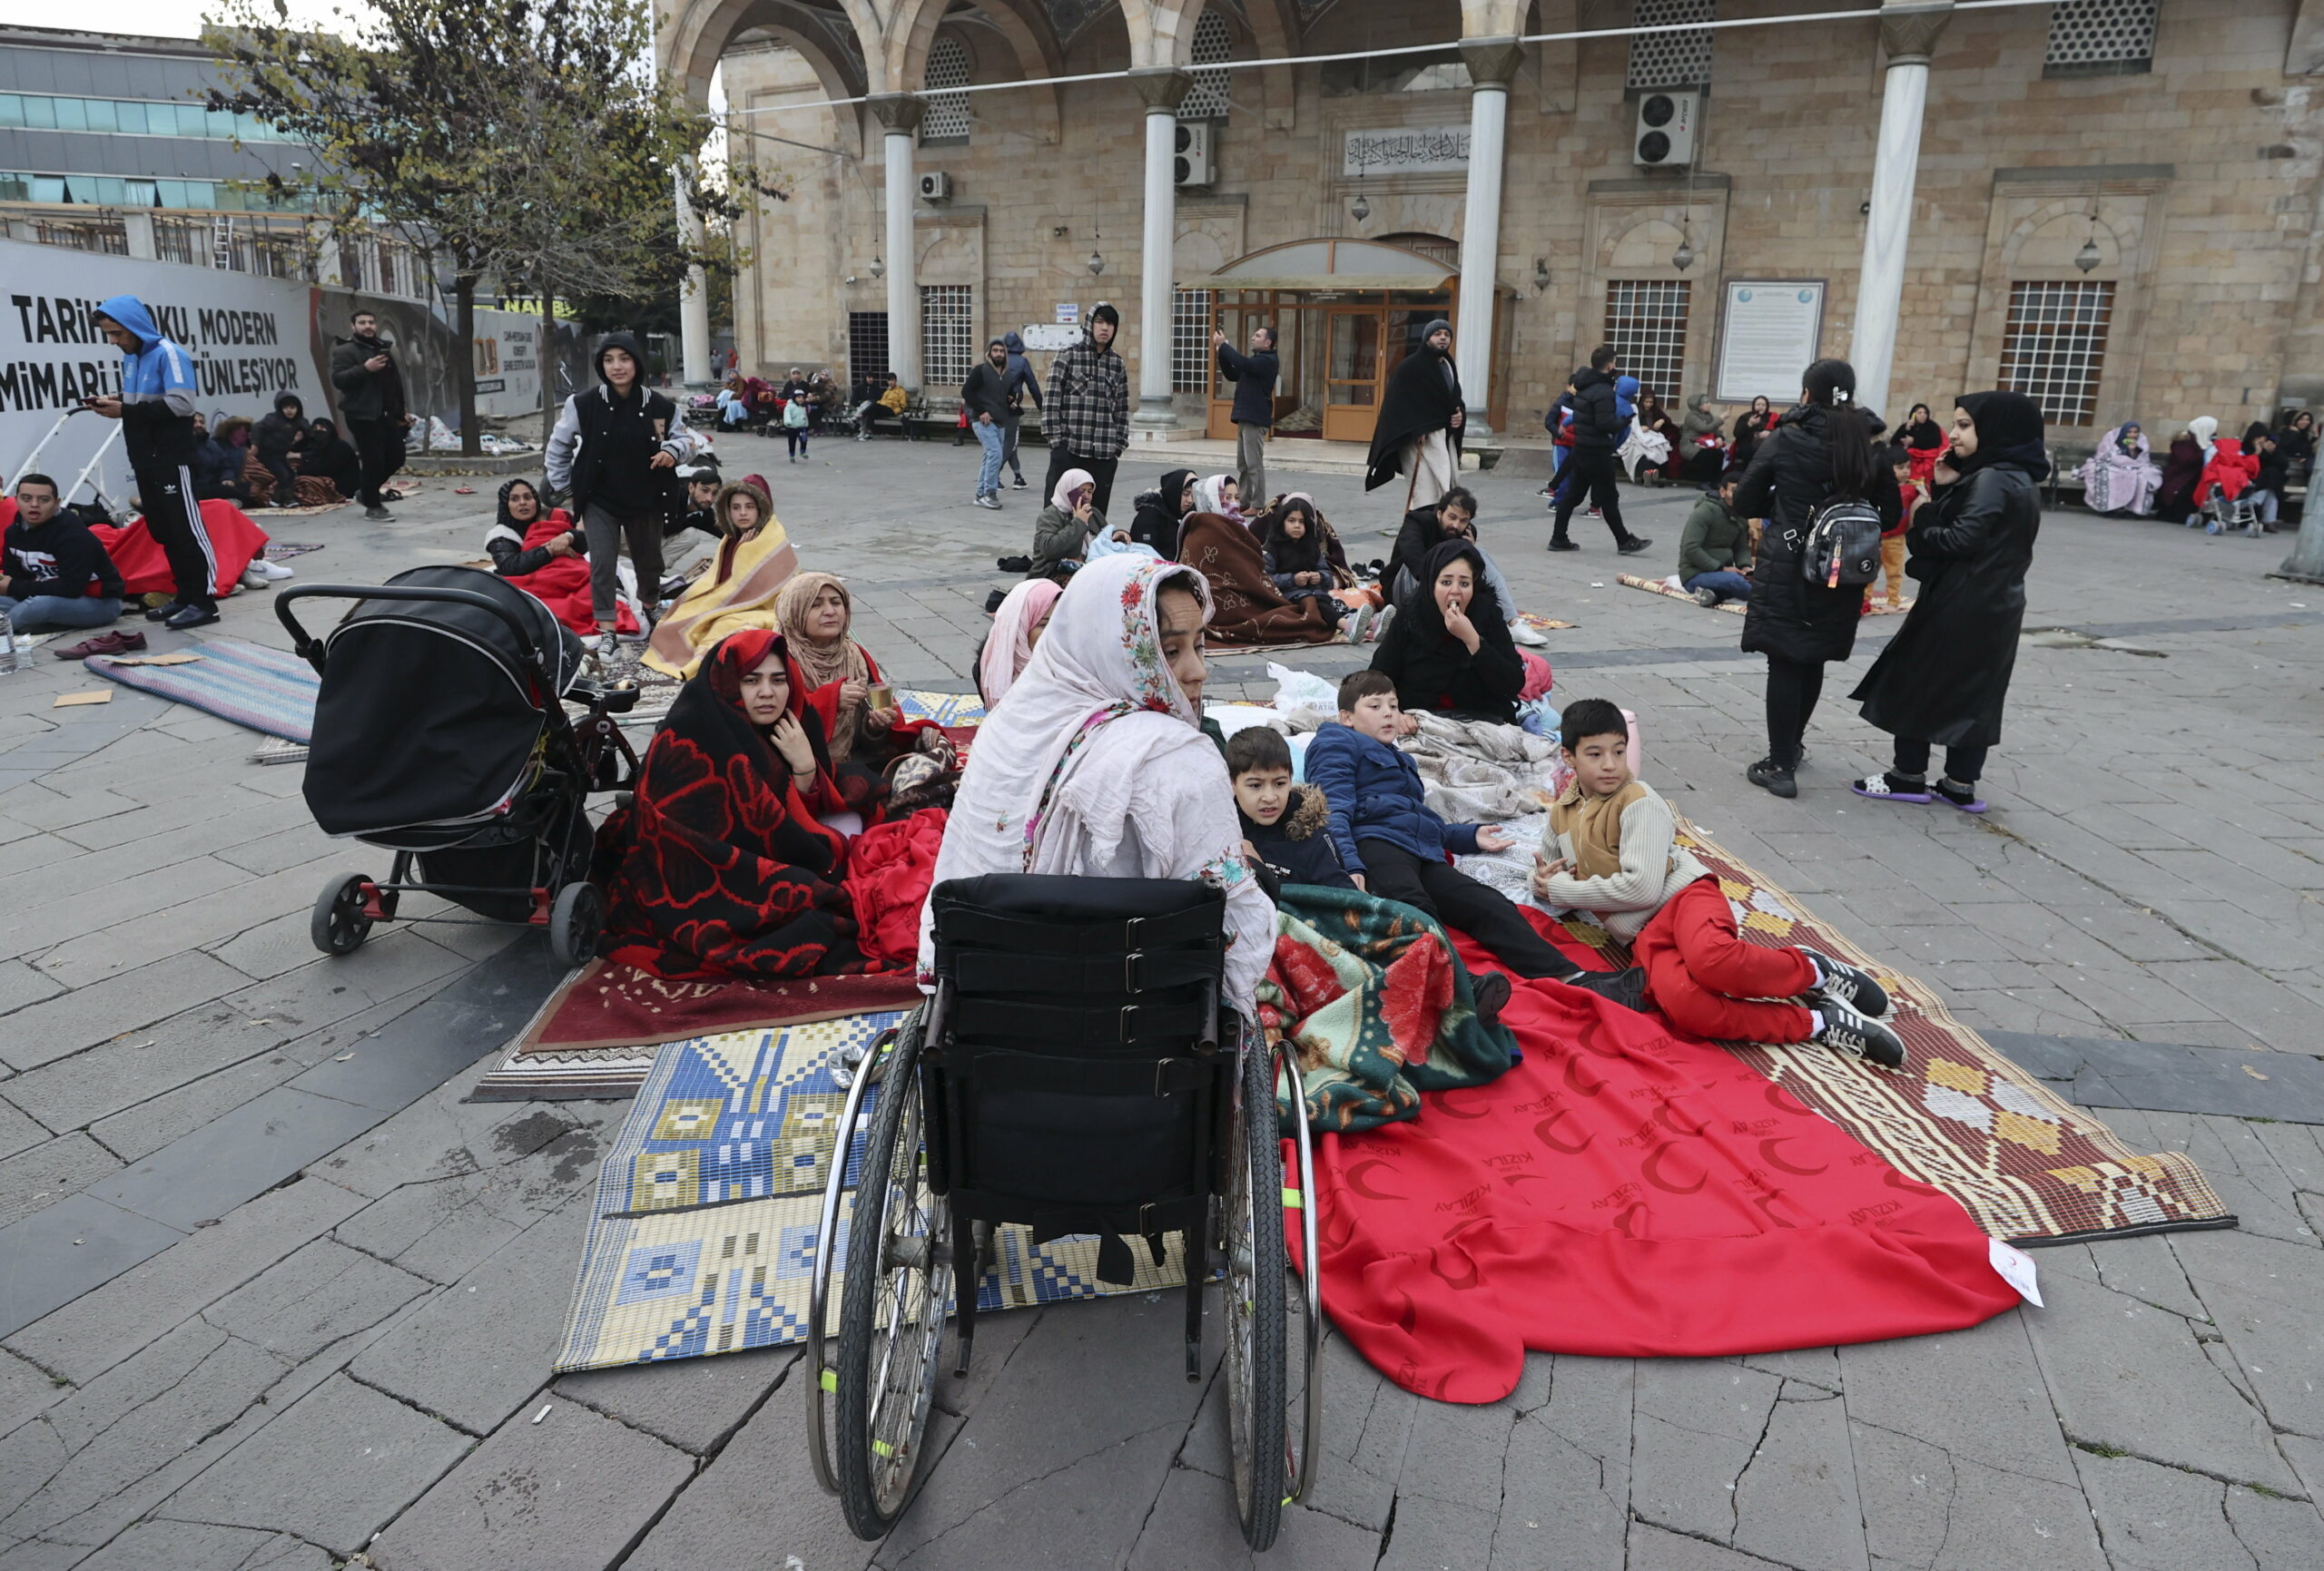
(707, 1204)
(268, 690)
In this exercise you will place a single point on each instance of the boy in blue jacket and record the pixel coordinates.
(1393, 844)
(155, 408)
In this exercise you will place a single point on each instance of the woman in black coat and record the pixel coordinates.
(1160, 512)
(1448, 651)
(1943, 678)
(1821, 450)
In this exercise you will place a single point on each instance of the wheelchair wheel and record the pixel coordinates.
(898, 1291)
(1250, 1244)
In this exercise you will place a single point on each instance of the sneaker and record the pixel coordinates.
(186, 618)
(377, 516)
(1890, 788)
(1560, 543)
(1359, 627)
(1772, 779)
(1842, 983)
(1625, 988)
(162, 613)
(1706, 598)
(1523, 633)
(1491, 993)
(254, 577)
(2212, 527)
(991, 502)
(1020, 482)
(274, 571)
(1380, 623)
(1634, 544)
(1960, 796)
(1845, 1031)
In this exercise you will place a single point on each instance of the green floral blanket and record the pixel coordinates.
(1377, 1006)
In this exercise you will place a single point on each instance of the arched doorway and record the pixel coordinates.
(1345, 314)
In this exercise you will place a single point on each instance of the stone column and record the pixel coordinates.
(693, 300)
(1492, 63)
(1161, 91)
(900, 112)
(1908, 33)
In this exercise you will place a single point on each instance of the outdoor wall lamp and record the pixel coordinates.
(878, 269)
(1540, 274)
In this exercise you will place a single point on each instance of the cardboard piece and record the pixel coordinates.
(70, 700)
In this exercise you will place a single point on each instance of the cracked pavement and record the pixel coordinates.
(274, 1298)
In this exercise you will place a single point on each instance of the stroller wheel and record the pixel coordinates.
(575, 918)
(339, 926)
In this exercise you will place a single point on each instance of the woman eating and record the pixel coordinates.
(753, 561)
(1448, 651)
(1094, 766)
(1017, 629)
(718, 867)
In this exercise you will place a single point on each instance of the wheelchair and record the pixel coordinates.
(1076, 1073)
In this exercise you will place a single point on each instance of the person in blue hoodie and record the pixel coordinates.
(155, 408)
(1016, 382)
(1393, 844)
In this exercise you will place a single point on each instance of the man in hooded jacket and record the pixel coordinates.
(1599, 427)
(155, 408)
(617, 450)
(1086, 414)
(1020, 383)
(371, 401)
(1418, 432)
(277, 438)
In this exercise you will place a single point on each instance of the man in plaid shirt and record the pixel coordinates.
(1085, 415)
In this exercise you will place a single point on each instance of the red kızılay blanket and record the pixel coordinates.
(234, 540)
(563, 585)
(1623, 1192)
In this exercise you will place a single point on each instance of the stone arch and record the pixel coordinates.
(1162, 32)
(1011, 41)
(1644, 246)
(2047, 239)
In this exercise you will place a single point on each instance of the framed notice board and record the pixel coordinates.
(1769, 330)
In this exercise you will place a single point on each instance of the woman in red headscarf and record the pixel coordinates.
(718, 868)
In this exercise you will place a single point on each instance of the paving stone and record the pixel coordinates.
(695, 1404)
(1454, 1454)
(95, 1331)
(1652, 1548)
(323, 1293)
(1192, 1527)
(69, 1022)
(1433, 1535)
(1699, 1424)
(2263, 1295)
(213, 1169)
(1927, 1506)
(573, 1489)
(2130, 1377)
(1796, 1502)
(1565, 1506)
(57, 1254)
(478, 1351)
(26, 1389)
(33, 1179)
(1090, 1509)
(194, 1547)
(144, 1127)
(21, 985)
(2156, 1519)
(340, 1464)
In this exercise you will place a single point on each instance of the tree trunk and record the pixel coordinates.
(548, 359)
(463, 362)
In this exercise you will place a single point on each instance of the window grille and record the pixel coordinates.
(1671, 59)
(2056, 347)
(1646, 321)
(1213, 44)
(867, 345)
(947, 334)
(2100, 37)
(946, 115)
(1190, 341)
(1436, 247)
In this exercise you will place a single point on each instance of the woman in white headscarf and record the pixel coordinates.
(1219, 493)
(1093, 765)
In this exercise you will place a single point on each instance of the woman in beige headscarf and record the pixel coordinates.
(738, 590)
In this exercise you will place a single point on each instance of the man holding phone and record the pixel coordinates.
(155, 408)
(371, 401)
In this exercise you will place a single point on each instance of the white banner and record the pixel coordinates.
(1770, 339)
(1405, 150)
(250, 339)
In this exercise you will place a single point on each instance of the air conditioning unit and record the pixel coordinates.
(1194, 163)
(1667, 124)
(935, 186)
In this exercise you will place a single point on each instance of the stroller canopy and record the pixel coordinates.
(432, 712)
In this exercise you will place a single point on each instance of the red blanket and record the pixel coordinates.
(889, 868)
(1624, 1193)
(234, 540)
(564, 584)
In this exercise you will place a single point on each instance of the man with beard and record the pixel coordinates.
(1418, 432)
(371, 402)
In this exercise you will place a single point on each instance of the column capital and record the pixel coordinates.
(1493, 62)
(1909, 32)
(1162, 87)
(898, 111)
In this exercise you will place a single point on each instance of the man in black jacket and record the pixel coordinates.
(1254, 375)
(1597, 432)
(58, 577)
(985, 398)
(371, 402)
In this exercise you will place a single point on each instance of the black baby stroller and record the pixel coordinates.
(441, 734)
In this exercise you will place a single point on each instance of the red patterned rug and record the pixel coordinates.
(610, 1005)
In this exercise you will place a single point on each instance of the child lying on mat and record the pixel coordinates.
(1611, 848)
(1393, 844)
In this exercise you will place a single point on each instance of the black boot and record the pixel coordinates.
(1773, 778)
(1490, 991)
(1625, 988)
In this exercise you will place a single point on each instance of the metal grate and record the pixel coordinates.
(1190, 341)
(946, 115)
(1213, 44)
(867, 344)
(1671, 59)
(1646, 320)
(2056, 347)
(947, 334)
(2099, 36)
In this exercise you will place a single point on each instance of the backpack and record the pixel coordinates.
(1841, 549)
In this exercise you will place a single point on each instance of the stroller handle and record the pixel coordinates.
(310, 648)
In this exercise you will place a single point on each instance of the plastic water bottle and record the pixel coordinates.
(11, 657)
